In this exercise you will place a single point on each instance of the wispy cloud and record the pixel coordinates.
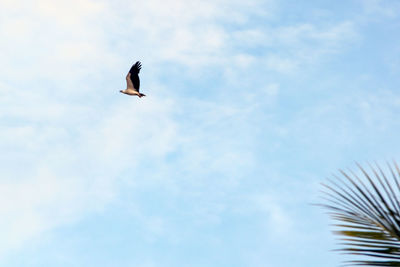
(381, 8)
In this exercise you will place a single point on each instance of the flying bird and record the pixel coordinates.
(133, 81)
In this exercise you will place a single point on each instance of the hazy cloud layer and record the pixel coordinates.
(249, 106)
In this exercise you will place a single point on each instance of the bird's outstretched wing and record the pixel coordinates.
(134, 71)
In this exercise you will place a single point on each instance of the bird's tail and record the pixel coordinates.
(141, 95)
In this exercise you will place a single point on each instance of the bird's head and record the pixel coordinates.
(121, 91)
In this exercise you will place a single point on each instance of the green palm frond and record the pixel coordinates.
(366, 211)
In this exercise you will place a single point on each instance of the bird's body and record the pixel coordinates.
(133, 81)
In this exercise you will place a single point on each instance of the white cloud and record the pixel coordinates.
(380, 8)
(64, 152)
(277, 218)
(272, 89)
(70, 174)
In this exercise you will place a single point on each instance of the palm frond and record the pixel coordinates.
(366, 209)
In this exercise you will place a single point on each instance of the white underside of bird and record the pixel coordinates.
(130, 89)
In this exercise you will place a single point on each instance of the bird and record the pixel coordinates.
(133, 81)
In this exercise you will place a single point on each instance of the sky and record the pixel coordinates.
(250, 106)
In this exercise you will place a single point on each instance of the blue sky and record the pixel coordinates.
(250, 106)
